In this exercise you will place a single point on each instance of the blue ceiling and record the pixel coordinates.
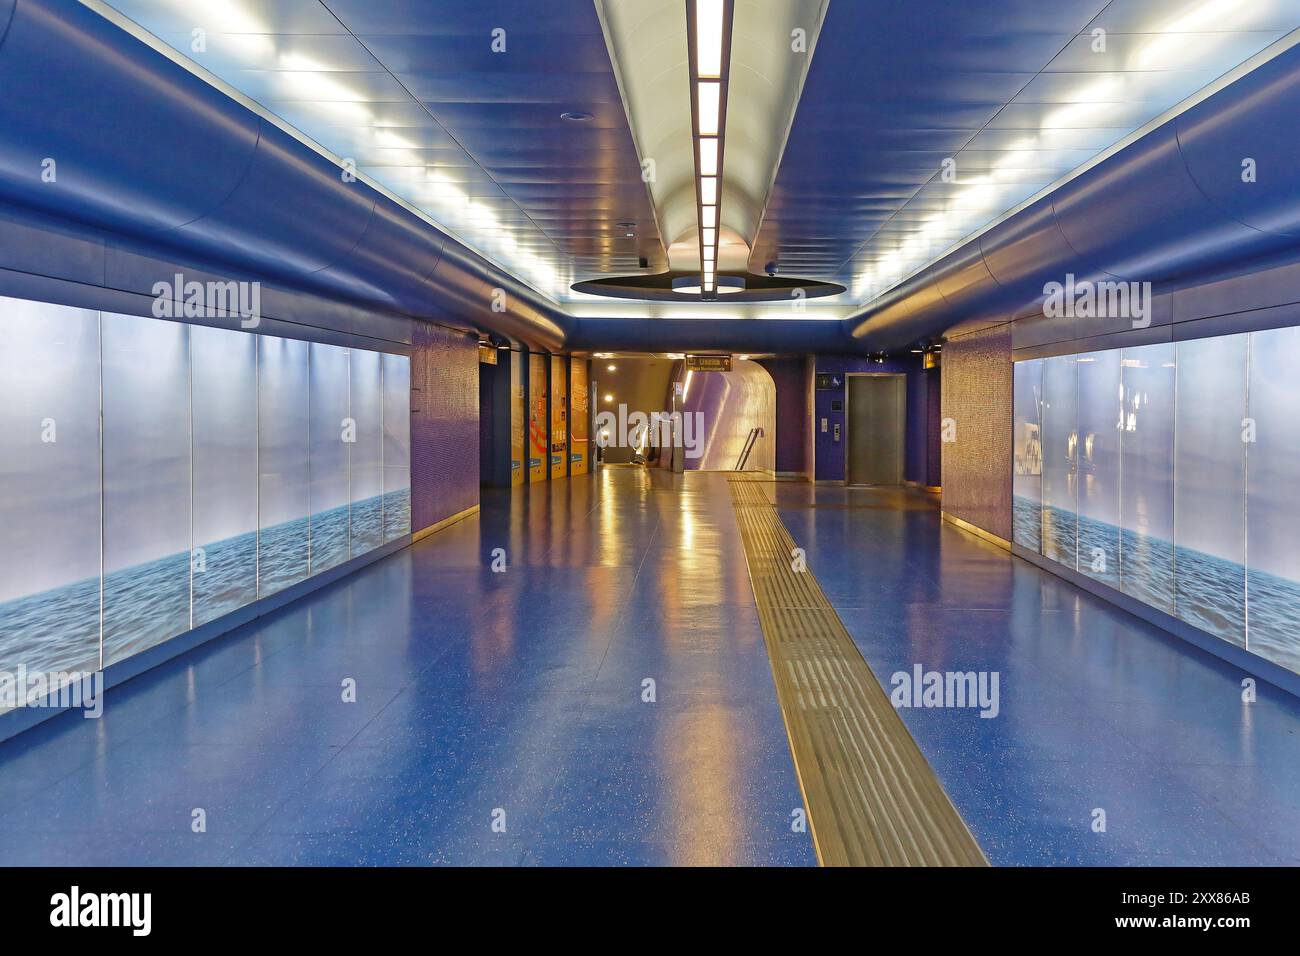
(423, 91)
(1013, 89)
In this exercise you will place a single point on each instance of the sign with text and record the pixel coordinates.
(709, 363)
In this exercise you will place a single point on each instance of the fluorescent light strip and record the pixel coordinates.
(708, 156)
(708, 61)
(708, 37)
(709, 102)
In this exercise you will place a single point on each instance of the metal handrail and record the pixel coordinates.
(754, 435)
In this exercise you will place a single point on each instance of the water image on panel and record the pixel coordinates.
(366, 469)
(1060, 446)
(223, 366)
(1147, 378)
(1098, 463)
(147, 521)
(1273, 457)
(397, 446)
(1210, 487)
(49, 487)
(332, 433)
(283, 463)
(1027, 455)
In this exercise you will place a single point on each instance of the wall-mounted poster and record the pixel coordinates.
(559, 416)
(518, 417)
(580, 416)
(538, 467)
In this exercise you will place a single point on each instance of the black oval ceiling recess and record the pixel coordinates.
(679, 286)
(576, 116)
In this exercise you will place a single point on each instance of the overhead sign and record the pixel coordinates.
(829, 381)
(709, 363)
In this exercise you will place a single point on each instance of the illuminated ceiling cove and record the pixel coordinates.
(914, 125)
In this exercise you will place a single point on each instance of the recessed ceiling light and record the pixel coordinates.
(708, 190)
(710, 101)
(708, 155)
(708, 37)
(577, 116)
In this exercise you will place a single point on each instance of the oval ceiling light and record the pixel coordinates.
(577, 116)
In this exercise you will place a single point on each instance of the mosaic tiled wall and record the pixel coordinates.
(976, 386)
(444, 424)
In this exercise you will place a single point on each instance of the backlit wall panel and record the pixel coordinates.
(1273, 513)
(284, 464)
(365, 385)
(147, 490)
(537, 417)
(580, 419)
(332, 434)
(397, 446)
(1185, 462)
(49, 487)
(1027, 455)
(229, 466)
(518, 421)
(559, 417)
(223, 364)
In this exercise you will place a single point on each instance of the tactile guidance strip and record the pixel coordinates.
(872, 798)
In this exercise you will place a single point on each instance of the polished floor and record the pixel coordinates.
(514, 698)
(504, 717)
(1098, 710)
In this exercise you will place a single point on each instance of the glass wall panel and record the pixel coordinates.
(537, 440)
(1060, 442)
(1098, 465)
(517, 415)
(223, 364)
(1147, 378)
(559, 416)
(147, 520)
(284, 463)
(332, 433)
(1210, 487)
(1273, 466)
(367, 475)
(1027, 455)
(397, 446)
(49, 487)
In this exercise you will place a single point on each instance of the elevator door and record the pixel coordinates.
(877, 411)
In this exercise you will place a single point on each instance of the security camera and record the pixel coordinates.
(770, 268)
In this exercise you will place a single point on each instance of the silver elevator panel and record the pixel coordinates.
(877, 411)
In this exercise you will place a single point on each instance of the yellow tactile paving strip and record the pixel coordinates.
(872, 798)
